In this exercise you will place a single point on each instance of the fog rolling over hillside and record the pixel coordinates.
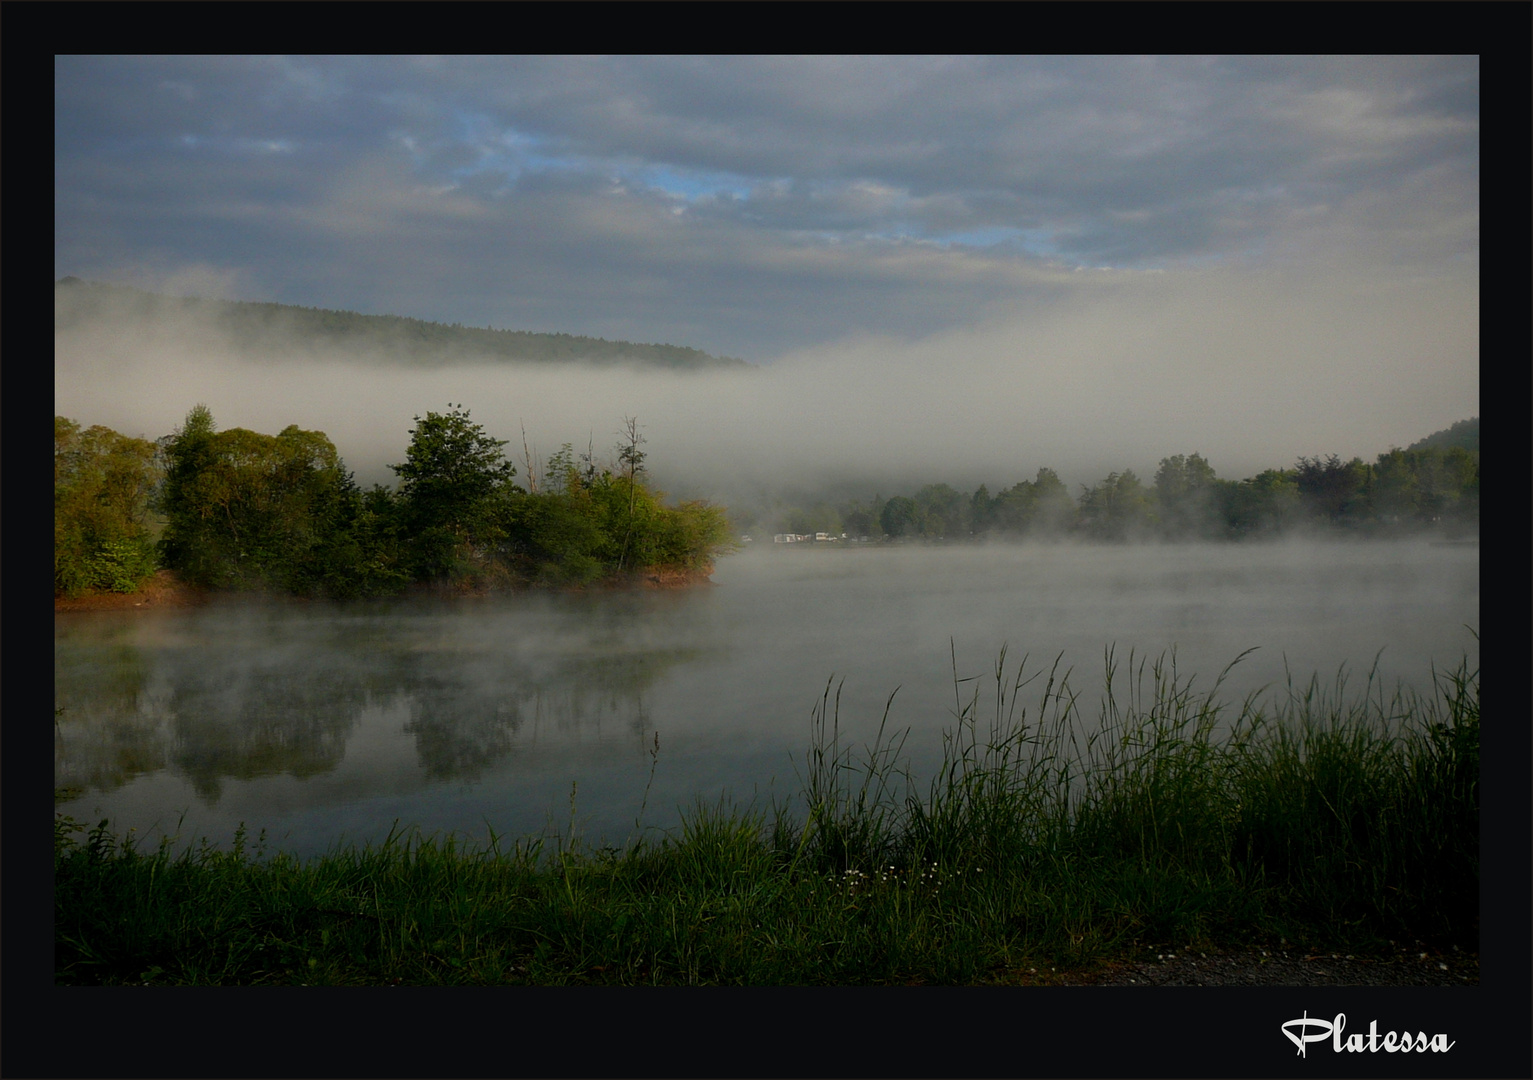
(261, 331)
(1107, 371)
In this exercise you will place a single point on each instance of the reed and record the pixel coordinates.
(1041, 841)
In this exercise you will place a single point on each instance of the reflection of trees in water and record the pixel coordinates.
(262, 723)
(109, 731)
(111, 678)
(244, 696)
(458, 733)
(104, 752)
(209, 714)
(462, 729)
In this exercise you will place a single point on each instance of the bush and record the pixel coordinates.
(121, 566)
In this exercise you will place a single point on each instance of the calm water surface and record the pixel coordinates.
(328, 722)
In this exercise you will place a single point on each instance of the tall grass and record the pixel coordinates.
(1041, 841)
(1348, 811)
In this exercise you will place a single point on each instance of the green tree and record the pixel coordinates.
(556, 534)
(1395, 486)
(355, 552)
(1054, 512)
(582, 525)
(1117, 508)
(453, 484)
(900, 517)
(245, 510)
(554, 537)
(631, 461)
(692, 533)
(941, 512)
(1448, 484)
(1463, 467)
(1013, 509)
(188, 544)
(981, 506)
(1335, 491)
(1265, 503)
(1038, 507)
(103, 484)
(1185, 497)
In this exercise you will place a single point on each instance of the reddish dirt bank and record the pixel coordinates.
(165, 590)
(161, 591)
(675, 577)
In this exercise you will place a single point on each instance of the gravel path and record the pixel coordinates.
(1416, 966)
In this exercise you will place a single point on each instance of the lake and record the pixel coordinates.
(328, 722)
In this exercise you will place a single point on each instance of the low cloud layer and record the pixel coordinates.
(748, 206)
(949, 269)
(1116, 371)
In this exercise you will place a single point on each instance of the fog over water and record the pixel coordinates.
(1094, 373)
(320, 721)
(942, 270)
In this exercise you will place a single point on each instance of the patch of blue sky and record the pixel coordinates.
(1043, 243)
(1033, 240)
(514, 162)
(689, 185)
(507, 151)
(236, 144)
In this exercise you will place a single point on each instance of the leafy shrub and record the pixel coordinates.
(121, 566)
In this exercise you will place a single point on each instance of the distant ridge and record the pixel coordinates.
(254, 326)
(1464, 434)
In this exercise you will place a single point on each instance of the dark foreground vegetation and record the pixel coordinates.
(1043, 842)
(239, 510)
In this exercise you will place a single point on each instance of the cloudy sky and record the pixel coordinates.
(1080, 262)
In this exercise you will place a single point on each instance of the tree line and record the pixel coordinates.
(1433, 485)
(239, 510)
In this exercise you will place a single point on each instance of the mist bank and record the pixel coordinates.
(1250, 370)
(1433, 487)
(258, 330)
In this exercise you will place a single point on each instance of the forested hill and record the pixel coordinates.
(1464, 434)
(285, 327)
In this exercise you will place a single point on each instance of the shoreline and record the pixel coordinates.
(166, 590)
(163, 590)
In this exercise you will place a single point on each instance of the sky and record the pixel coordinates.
(943, 268)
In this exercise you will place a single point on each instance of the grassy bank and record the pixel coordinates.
(1046, 840)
